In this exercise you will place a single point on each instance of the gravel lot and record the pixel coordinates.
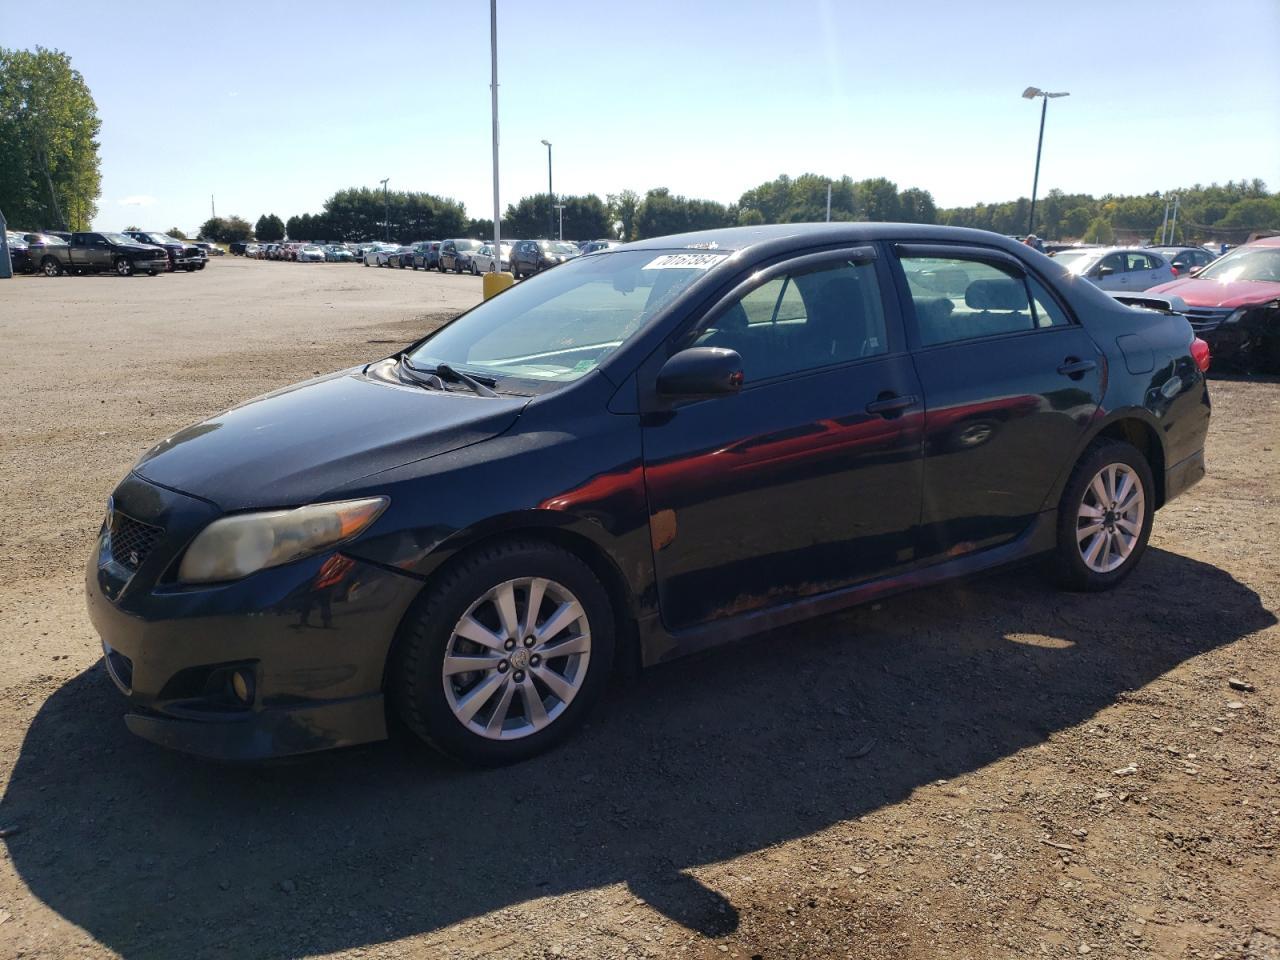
(991, 769)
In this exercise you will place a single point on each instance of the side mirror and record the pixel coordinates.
(701, 372)
(1193, 271)
(1104, 271)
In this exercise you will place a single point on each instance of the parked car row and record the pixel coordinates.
(457, 255)
(56, 253)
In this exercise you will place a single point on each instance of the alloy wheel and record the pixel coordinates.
(517, 658)
(1110, 517)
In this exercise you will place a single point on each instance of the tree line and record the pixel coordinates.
(1231, 211)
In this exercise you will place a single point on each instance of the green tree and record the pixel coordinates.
(269, 228)
(1254, 213)
(49, 165)
(663, 213)
(176, 233)
(1100, 231)
(623, 208)
(226, 229)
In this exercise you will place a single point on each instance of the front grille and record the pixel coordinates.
(130, 540)
(1206, 319)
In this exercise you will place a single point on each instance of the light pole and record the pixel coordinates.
(551, 197)
(560, 211)
(386, 210)
(1030, 94)
(493, 93)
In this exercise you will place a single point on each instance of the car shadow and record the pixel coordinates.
(158, 854)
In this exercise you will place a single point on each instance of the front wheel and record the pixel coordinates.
(51, 267)
(1105, 516)
(501, 658)
(124, 267)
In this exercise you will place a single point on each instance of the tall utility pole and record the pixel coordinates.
(213, 211)
(551, 197)
(1173, 224)
(1030, 94)
(386, 210)
(493, 96)
(1164, 224)
(560, 210)
(828, 201)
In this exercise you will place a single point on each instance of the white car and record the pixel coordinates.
(1118, 268)
(482, 259)
(375, 255)
(310, 253)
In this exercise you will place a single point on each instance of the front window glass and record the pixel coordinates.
(562, 247)
(561, 325)
(1259, 263)
(799, 322)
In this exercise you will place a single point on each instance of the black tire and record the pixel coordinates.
(1069, 563)
(153, 273)
(51, 267)
(124, 267)
(415, 670)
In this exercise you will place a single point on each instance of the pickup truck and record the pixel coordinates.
(98, 253)
(182, 256)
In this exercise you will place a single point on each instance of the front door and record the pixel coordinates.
(1010, 384)
(807, 480)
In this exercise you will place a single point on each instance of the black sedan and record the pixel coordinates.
(634, 456)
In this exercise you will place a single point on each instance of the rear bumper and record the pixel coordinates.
(1183, 475)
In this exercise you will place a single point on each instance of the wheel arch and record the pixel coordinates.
(1137, 428)
(549, 531)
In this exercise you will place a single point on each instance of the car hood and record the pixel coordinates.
(292, 446)
(1213, 293)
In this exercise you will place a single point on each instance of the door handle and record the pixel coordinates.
(888, 406)
(1075, 369)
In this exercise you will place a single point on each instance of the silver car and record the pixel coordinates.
(1118, 268)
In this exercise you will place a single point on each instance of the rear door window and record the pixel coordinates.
(961, 298)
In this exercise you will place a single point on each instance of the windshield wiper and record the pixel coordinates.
(419, 376)
(447, 372)
(442, 372)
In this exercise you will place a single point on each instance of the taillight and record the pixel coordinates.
(1174, 268)
(1200, 354)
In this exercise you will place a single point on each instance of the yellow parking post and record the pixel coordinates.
(495, 283)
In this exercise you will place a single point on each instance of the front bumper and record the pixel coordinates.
(313, 636)
(159, 265)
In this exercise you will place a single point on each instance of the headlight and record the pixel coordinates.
(237, 546)
(1236, 317)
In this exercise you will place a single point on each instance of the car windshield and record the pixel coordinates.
(1258, 263)
(561, 325)
(1076, 261)
(563, 247)
(118, 238)
(467, 244)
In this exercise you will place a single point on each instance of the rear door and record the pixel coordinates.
(1010, 383)
(807, 480)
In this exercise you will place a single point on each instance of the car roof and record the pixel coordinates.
(788, 235)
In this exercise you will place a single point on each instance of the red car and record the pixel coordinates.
(1234, 305)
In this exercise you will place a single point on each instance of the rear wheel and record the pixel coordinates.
(503, 656)
(1105, 516)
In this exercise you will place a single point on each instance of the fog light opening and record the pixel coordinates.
(242, 686)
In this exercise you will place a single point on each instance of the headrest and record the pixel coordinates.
(996, 295)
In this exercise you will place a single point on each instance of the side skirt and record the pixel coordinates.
(658, 645)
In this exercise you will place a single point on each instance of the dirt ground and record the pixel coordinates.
(990, 769)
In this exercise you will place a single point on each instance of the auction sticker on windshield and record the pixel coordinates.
(685, 261)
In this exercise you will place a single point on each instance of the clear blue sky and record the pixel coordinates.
(271, 106)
